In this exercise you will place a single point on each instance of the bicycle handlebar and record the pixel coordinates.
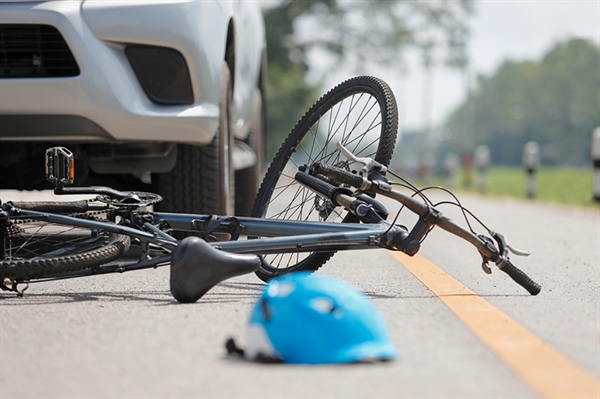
(521, 278)
(486, 248)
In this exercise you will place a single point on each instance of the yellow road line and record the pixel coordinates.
(541, 367)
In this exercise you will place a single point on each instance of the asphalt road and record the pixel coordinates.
(124, 336)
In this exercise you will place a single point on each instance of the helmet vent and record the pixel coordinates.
(280, 289)
(325, 306)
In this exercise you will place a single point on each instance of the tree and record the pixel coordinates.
(355, 33)
(553, 101)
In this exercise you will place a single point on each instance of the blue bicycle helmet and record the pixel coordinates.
(313, 319)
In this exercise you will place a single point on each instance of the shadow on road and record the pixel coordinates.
(224, 292)
(66, 297)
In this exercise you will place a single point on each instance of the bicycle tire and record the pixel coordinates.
(33, 249)
(376, 120)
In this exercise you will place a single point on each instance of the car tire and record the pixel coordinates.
(247, 181)
(202, 181)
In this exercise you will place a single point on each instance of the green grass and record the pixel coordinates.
(554, 184)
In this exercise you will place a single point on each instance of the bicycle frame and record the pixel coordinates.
(283, 236)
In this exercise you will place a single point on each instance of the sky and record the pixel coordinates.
(510, 29)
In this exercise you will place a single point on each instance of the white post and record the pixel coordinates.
(450, 166)
(595, 154)
(531, 161)
(482, 162)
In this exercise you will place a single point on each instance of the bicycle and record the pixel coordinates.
(332, 208)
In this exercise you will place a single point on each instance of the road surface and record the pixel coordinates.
(123, 336)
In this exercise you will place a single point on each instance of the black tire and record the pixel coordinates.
(202, 180)
(247, 181)
(33, 249)
(362, 114)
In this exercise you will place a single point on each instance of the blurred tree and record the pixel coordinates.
(354, 34)
(288, 97)
(554, 101)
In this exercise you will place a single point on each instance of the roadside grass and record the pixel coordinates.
(553, 184)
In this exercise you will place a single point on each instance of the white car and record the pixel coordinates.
(169, 91)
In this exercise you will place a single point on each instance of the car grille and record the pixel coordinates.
(34, 51)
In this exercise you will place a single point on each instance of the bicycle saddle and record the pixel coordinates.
(197, 266)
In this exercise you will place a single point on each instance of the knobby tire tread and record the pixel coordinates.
(26, 269)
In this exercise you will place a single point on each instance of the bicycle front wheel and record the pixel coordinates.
(361, 113)
(33, 249)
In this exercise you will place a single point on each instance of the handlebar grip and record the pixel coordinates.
(521, 278)
(339, 175)
(316, 184)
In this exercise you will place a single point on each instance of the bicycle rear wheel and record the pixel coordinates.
(361, 113)
(33, 249)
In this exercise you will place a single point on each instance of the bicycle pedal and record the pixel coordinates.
(60, 166)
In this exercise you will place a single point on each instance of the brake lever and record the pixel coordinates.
(504, 245)
(369, 164)
(518, 252)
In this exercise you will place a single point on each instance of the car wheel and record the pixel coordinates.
(202, 180)
(247, 181)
